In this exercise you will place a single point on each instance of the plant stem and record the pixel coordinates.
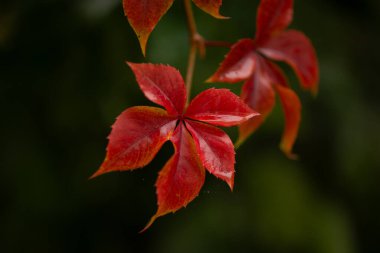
(193, 35)
(190, 70)
(190, 19)
(197, 43)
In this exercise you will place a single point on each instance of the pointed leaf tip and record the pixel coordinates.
(149, 224)
(99, 172)
(289, 155)
(144, 16)
(143, 41)
(211, 7)
(292, 110)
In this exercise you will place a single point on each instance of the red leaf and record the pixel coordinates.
(181, 179)
(258, 93)
(296, 49)
(273, 16)
(238, 65)
(136, 137)
(219, 107)
(143, 15)
(244, 62)
(216, 150)
(292, 110)
(162, 85)
(139, 133)
(210, 6)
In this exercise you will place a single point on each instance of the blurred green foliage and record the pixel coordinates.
(63, 81)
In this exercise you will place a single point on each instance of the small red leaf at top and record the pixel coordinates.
(216, 150)
(180, 181)
(295, 48)
(273, 16)
(143, 15)
(210, 6)
(162, 85)
(238, 65)
(292, 110)
(136, 137)
(219, 107)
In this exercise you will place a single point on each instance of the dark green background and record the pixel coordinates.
(63, 81)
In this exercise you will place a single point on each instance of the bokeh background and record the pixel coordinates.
(63, 81)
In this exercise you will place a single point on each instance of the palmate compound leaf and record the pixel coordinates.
(246, 61)
(143, 15)
(139, 132)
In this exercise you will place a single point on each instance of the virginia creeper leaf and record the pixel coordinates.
(139, 132)
(238, 64)
(143, 15)
(162, 85)
(136, 137)
(180, 181)
(210, 6)
(292, 110)
(273, 16)
(295, 48)
(248, 60)
(216, 150)
(219, 107)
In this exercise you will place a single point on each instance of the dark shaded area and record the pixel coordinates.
(63, 81)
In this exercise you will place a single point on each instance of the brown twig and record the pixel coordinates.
(193, 46)
(197, 44)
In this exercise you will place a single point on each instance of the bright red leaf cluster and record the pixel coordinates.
(248, 61)
(139, 132)
(143, 15)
